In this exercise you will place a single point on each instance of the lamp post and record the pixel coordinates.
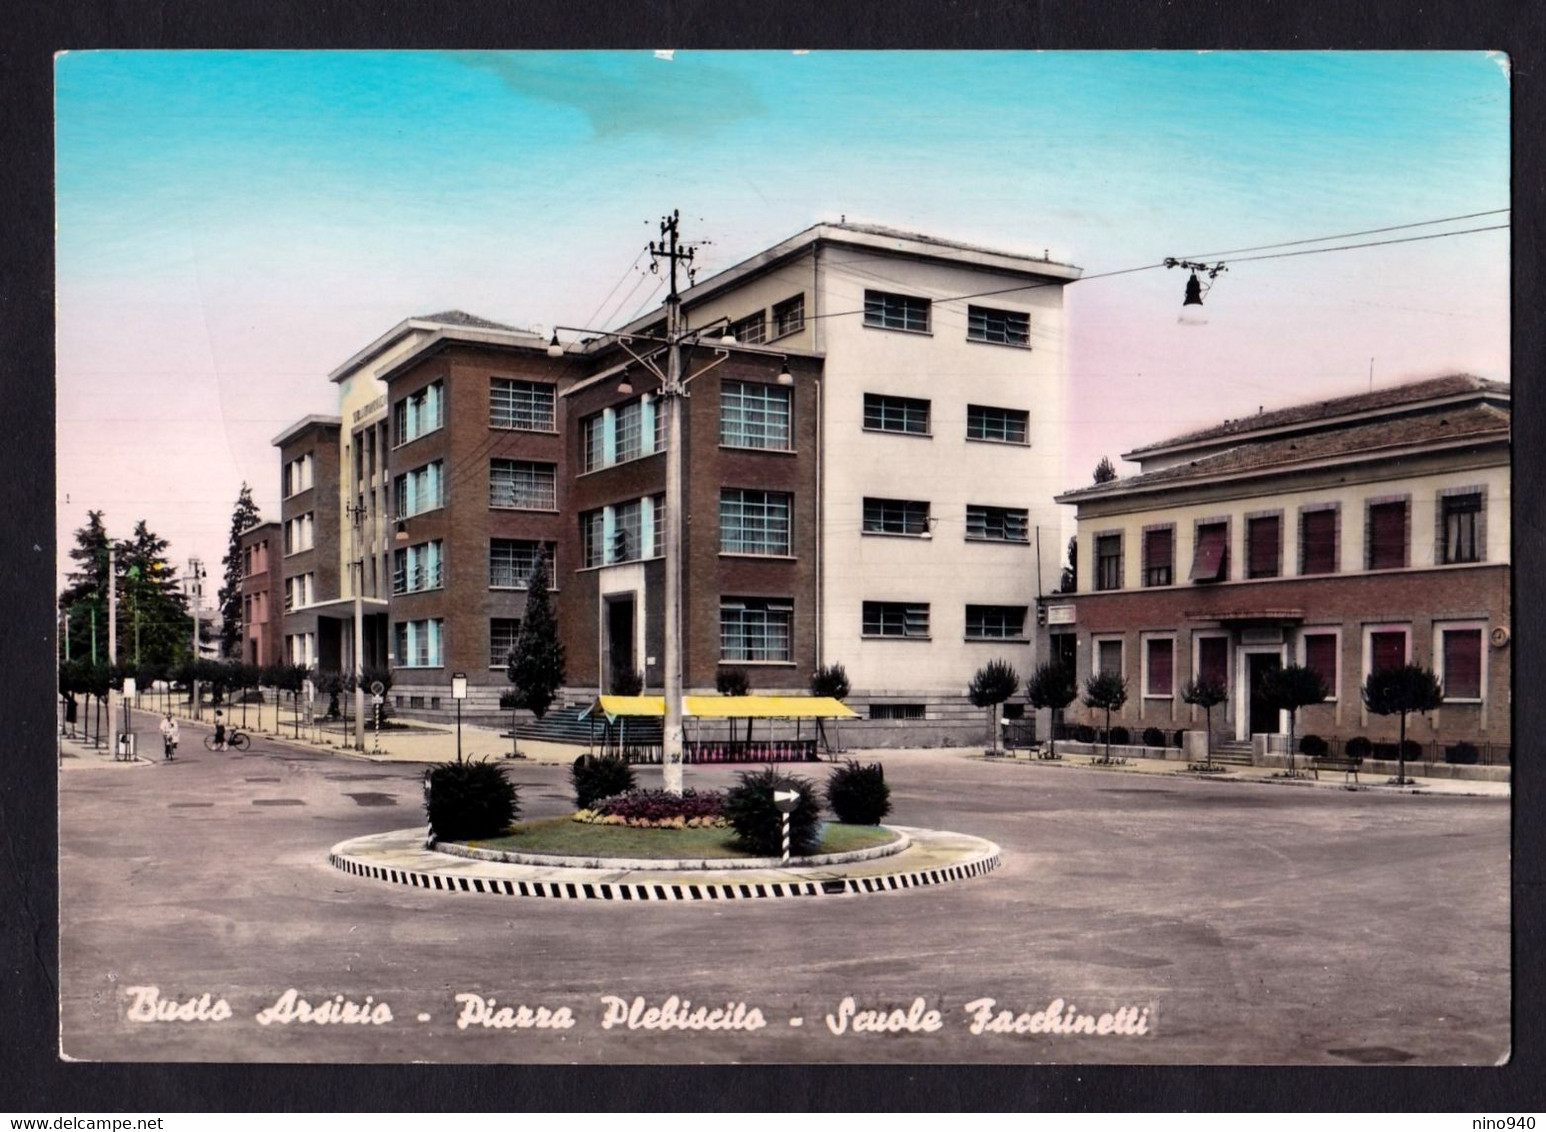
(356, 513)
(458, 693)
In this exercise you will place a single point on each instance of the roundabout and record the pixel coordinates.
(917, 858)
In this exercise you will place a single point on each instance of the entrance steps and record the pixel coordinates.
(1231, 752)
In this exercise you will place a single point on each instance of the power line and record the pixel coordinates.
(1374, 243)
(1346, 235)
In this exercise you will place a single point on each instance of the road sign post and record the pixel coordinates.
(786, 800)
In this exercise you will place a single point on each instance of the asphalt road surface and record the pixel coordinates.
(1231, 923)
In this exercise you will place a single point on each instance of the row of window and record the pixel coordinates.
(889, 311)
(1387, 540)
(910, 620)
(299, 474)
(300, 533)
(886, 413)
(911, 517)
(300, 590)
(1458, 653)
(511, 563)
(528, 406)
(788, 318)
(623, 532)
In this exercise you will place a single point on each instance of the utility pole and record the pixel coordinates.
(673, 393)
(356, 516)
(112, 647)
(196, 591)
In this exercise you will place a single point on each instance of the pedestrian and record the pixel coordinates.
(70, 712)
(219, 732)
(169, 736)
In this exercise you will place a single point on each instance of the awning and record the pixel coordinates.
(613, 707)
(1208, 558)
(765, 707)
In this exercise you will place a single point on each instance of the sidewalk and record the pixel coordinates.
(1334, 780)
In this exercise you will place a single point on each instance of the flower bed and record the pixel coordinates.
(657, 809)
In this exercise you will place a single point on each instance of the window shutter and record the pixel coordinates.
(1386, 650)
(1463, 664)
(1161, 667)
(1387, 536)
(1213, 660)
(1209, 558)
(1318, 542)
(1320, 656)
(1158, 554)
(1262, 548)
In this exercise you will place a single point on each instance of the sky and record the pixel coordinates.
(231, 226)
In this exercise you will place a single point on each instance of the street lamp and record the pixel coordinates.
(458, 693)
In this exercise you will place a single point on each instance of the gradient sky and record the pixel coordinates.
(233, 225)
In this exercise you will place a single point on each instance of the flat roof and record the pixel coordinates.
(310, 421)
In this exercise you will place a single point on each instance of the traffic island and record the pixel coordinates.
(918, 858)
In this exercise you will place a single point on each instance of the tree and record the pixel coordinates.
(1401, 691)
(1206, 694)
(1104, 471)
(1105, 691)
(84, 599)
(154, 624)
(537, 662)
(830, 680)
(1051, 686)
(992, 684)
(1069, 583)
(1290, 688)
(243, 518)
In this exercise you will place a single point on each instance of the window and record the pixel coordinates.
(997, 524)
(502, 635)
(896, 711)
(629, 432)
(419, 643)
(1108, 656)
(995, 622)
(751, 330)
(896, 619)
(1210, 555)
(896, 517)
(595, 433)
(1159, 667)
(419, 413)
(1002, 426)
(1213, 660)
(416, 568)
(511, 562)
(1263, 546)
(1159, 556)
(1461, 657)
(896, 414)
(298, 474)
(522, 484)
(302, 649)
(300, 533)
(755, 629)
(627, 527)
(753, 522)
(896, 312)
(1460, 528)
(1318, 541)
(420, 490)
(1387, 649)
(754, 415)
(1320, 657)
(1387, 538)
(789, 316)
(1108, 562)
(300, 591)
(593, 547)
(1005, 328)
(658, 526)
(524, 405)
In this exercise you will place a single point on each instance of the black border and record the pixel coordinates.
(35, 1080)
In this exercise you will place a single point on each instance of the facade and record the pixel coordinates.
(1345, 535)
(262, 595)
(870, 460)
(308, 538)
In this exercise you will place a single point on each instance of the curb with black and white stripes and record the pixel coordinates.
(629, 891)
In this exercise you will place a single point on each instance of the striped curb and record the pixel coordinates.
(979, 858)
(659, 864)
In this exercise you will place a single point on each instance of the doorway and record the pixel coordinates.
(621, 658)
(1263, 716)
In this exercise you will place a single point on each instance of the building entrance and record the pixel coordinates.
(1264, 717)
(620, 631)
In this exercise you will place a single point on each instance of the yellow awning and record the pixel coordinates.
(615, 706)
(765, 707)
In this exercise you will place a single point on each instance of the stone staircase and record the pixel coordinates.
(1231, 752)
(564, 725)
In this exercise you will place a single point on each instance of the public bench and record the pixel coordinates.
(1347, 765)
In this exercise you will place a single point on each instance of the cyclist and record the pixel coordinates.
(219, 732)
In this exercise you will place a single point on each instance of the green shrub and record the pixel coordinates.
(469, 801)
(1085, 733)
(731, 682)
(1153, 737)
(597, 778)
(757, 822)
(858, 794)
(1358, 747)
(1313, 746)
(1462, 753)
(1120, 736)
(627, 682)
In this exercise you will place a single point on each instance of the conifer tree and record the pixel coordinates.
(537, 661)
(243, 519)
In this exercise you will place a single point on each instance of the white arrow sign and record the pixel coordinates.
(785, 800)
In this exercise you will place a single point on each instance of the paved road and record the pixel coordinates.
(1256, 924)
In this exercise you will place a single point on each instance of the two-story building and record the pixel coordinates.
(261, 596)
(1345, 535)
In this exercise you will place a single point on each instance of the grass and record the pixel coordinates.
(565, 837)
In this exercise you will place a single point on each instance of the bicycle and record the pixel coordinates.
(239, 740)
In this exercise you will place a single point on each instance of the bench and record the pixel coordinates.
(1334, 762)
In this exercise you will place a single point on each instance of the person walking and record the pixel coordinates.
(70, 712)
(219, 732)
(169, 736)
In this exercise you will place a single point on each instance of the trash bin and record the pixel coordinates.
(126, 744)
